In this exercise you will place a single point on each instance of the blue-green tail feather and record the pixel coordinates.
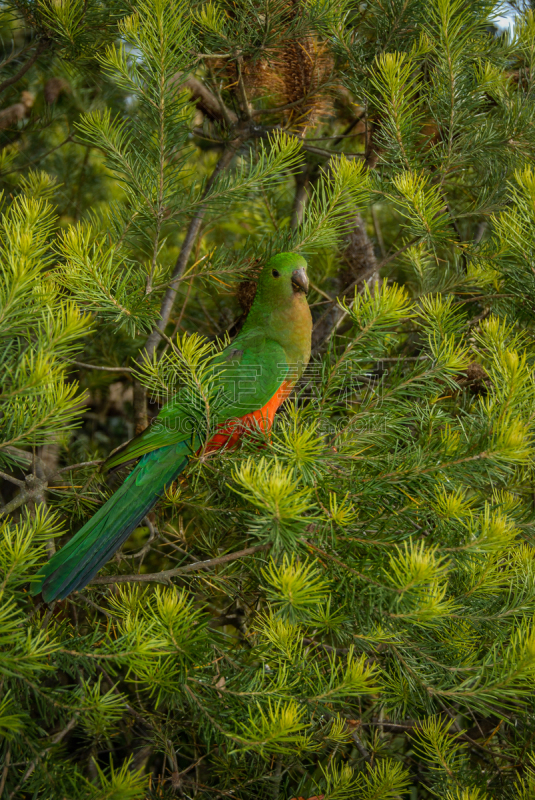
(72, 567)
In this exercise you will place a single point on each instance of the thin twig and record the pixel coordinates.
(209, 102)
(361, 747)
(327, 647)
(41, 157)
(257, 112)
(180, 550)
(80, 465)
(212, 720)
(350, 569)
(378, 232)
(153, 535)
(89, 602)
(364, 277)
(179, 320)
(54, 740)
(318, 151)
(14, 55)
(243, 92)
(32, 490)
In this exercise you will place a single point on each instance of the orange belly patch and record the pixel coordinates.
(229, 433)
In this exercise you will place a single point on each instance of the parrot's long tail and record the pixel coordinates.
(72, 567)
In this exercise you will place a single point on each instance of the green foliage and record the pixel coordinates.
(294, 588)
(282, 506)
(342, 608)
(120, 784)
(37, 399)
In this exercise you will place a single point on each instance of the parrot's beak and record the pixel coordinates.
(300, 280)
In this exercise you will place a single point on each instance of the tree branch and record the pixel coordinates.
(187, 245)
(5, 771)
(358, 261)
(56, 739)
(362, 277)
(302, 182)
(206, 100)
(43, 45)
(12, 479)
(165, 575)
(102, 369)
(80, 465)
(32, 490)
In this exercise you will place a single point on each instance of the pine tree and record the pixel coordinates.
(344, 608)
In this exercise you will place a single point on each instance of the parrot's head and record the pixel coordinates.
(280, 306)
(283, 280)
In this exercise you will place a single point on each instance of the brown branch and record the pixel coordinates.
(5, 771)
(187, 245)
(102, 369)
(153, 534)
(243, 93)
(202, 135)
(327, 647)
(264, 133)
(80, 596)
(206, 713)
(416, 725)
(166, 575)
(139, 401)
(378, 232)
(301, 101)
(33, 487)
(358, 262)
(43, 45)
(12, 479)
(208, 103)
(302, 183)
(32, 490)
(379, 266)
(364, 276)
(360, 746)
(13, 56)
(319, 151)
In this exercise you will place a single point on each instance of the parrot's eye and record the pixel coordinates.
(275, 273)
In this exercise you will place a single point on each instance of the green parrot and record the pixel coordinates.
(274, 345)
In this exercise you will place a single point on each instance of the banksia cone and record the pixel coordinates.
(247, 288)
(305, 66)
(294, 74)
(10, 116)
(475, 379)
(53, 88)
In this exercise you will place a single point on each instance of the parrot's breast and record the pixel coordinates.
(229, 433)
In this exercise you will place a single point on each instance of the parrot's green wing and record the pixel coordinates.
(252, 368)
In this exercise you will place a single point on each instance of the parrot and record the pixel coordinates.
(274, 344)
